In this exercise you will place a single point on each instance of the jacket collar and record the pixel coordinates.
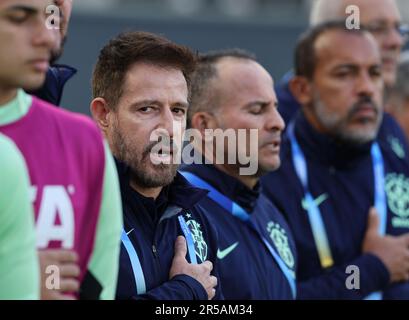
(179, 193)
(226, 184)
(326, 149)
(56, 78)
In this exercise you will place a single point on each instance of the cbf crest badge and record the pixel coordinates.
(197, 235)
(397, 192)
(279, 237)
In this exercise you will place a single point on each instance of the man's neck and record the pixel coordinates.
(146, 192)
(7, 95)
(249, 181)
(314, 122)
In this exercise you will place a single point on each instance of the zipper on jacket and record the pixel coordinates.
(155, 251)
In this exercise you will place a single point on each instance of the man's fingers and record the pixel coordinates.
(213, 281)
(69, 270)
(211, 293)
(69, 285)
(208, 265)
(405, 239)
(59, 255)
(373, 221)
(67, 256)
(180, 247)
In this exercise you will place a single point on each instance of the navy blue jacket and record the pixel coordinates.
(341, 180)
(246, 268)
(56, 78)
(153, 227)
(288, 106)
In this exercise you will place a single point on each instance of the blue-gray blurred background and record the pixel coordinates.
(268, 28)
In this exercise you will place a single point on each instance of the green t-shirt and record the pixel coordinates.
(19, 269)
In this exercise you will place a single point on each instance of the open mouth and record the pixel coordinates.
(273, 146)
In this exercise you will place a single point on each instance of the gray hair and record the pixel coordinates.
(325, 10)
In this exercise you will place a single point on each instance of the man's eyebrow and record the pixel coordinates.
(144, 102)
(141, 103)
(182, 104)
(346, 65)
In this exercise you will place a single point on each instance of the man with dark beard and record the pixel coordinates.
(141, 88)
(335, 169)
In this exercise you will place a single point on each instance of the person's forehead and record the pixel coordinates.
(242, 73)
(146, 78)
(375, 10)
(341, 46)
(39, 5)
(243, 81)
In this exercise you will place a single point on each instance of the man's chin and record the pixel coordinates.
(359, 136)
(159, 175)
(33, 83)
(268, 167)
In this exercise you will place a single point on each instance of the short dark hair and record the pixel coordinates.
(203, 96)
(305, 59)
(131, 47)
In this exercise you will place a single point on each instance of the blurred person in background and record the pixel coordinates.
(335, 168)
(19, 269)
(398, 103)
(74, 184)
(57, 74)
(380, 17)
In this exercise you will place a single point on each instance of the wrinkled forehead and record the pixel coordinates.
(338, 47)
(147, 81)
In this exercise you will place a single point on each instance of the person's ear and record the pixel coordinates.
(101, 113)
(301, 88)
(202, 121)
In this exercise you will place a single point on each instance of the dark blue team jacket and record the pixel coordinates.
(246, 268)
(153, 227)
(341, 180)
(56, 78)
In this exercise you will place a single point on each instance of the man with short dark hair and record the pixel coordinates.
(232, 92)
(335, 168)
(141, 89)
